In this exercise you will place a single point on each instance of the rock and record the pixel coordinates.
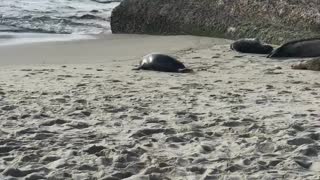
(208, 18)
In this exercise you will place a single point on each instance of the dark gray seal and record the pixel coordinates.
(298, 48)
(162, 62)
(251, 45)
(312, 64)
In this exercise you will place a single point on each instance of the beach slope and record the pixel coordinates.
(76, 110)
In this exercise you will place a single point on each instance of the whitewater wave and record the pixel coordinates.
(57, 16)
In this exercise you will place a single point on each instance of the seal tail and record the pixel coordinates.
(186, 70)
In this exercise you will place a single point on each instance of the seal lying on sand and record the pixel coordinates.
(299, 48)
(312, 64)
(251, 45)
(162, 62)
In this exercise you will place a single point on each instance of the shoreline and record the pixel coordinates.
(24, 38)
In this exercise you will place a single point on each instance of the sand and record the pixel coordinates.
(76, 110)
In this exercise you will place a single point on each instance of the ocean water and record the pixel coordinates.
(56, 16)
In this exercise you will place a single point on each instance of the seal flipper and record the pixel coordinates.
(137, 68)
(231, 47)
(273, 53)
(270, 55)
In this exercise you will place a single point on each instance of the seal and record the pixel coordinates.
(312, 64)
(251, 45)
(162, 62)
(298, 48)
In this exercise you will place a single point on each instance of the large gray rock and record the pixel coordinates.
(271, 20)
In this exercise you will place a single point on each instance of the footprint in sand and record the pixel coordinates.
(87, 76)
(82, 84)
(15, 172)
(53, 122)
(216, 56)
(59, 100)
(79, 113)
(78, 124)
(150, 131)
(94, 149)
(64, 76)
(28, 70)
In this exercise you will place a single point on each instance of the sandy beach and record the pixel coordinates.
(76, 110)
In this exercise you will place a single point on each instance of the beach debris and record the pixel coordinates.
(312, 64)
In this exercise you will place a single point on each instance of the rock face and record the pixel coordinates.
(271, 20)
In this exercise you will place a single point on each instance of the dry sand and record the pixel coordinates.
(238, 117)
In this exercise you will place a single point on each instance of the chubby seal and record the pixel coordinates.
(312, 64)
(162, 62)
(298, 48)
(251, 45)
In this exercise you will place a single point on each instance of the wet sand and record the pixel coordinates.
(103, 49)
(76, 110)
